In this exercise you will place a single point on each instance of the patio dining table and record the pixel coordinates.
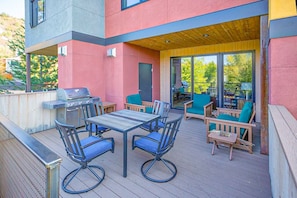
(123, 121)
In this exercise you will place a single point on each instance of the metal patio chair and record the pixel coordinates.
(91, 110)
(82, 150)
(158, 144)
(159, 108)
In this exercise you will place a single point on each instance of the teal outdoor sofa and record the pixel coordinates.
(234, 121)
(135, 103)
(200, 107)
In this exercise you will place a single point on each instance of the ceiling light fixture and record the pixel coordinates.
(205, 35)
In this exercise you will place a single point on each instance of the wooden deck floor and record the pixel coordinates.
(200, 174)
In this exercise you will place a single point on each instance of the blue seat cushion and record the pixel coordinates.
(200, 100)
(95, 128)
(148, 144)
(134, 99)
(95, 149)
(152, 125)
(196, 110)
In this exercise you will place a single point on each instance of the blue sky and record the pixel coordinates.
(15, 8)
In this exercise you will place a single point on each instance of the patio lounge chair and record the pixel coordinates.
(83, 151)
(159, 108)
(158, 144)
(200, 107)
(135, 103)
(234, 121)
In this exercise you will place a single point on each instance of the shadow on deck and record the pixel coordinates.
(200, 174)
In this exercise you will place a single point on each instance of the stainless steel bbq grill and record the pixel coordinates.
(68, 104)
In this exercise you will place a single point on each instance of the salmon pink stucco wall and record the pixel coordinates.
(133, 55)
(82, 67)
(121, 72)
(283, 73)
(155, 12)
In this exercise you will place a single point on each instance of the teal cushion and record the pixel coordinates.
(245, 115)
(200, 100)
(227, 117)
(134, 99)
(247, 105)
(199, 111)
(148, 109)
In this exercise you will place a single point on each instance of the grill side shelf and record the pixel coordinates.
(54, 104)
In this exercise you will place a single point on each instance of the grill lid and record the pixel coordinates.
(73, 93)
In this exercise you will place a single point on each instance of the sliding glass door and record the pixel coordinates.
(192, 75)
(227, 78)
(238, 79)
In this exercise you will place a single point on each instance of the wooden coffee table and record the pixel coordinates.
(221, 137)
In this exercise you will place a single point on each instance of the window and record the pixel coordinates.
(37, 12)
(130, 3)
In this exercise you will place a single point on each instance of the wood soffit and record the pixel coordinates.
(233, 31)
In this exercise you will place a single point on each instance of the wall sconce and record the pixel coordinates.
(112, 52)
(246, 86)
(62, 51)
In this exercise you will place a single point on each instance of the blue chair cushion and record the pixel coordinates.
(195, 110)
(147, 144)
(134, 99)
(200, 100)
(95, 149)
(94, 129)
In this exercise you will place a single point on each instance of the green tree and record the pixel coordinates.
(44, 69)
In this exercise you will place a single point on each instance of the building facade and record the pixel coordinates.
(111, 47)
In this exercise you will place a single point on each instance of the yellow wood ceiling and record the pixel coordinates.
(239, 30)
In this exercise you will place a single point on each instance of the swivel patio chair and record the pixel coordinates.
(159, 108)
(82, 150)
(158, 144)
(91, 110)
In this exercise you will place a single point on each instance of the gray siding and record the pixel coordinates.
(65, 16)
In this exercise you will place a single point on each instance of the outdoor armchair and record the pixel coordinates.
(135, 103)
(234, 121)
(200, 107)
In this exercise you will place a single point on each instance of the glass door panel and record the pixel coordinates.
(180, 81)
(238, 78)
(205, 76)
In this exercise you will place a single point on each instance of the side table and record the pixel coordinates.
(109, 107)
(223, 138)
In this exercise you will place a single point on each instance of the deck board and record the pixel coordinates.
(200, 174)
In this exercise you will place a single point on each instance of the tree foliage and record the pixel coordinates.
(44, 69)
